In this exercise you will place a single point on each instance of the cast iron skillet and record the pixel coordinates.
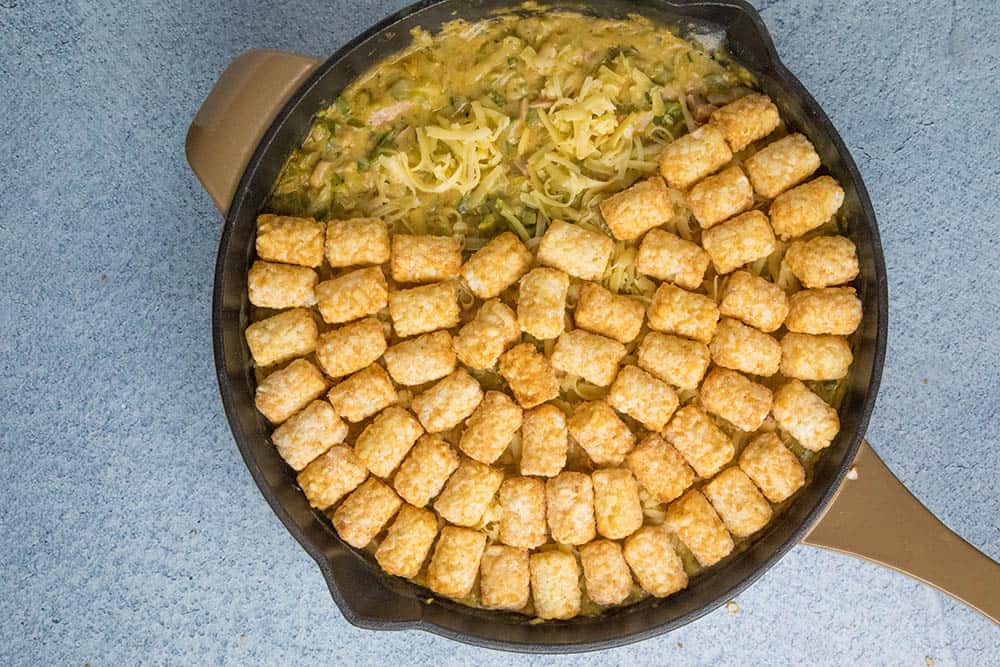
(260, 110)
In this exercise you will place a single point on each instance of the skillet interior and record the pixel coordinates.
(371, 599)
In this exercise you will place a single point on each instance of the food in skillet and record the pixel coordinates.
(551, 313)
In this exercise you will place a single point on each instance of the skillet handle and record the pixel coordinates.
(235, 115)
(876, 518)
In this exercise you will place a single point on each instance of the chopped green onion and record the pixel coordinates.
(343, 106)
(382, 144)
(488, 224)
(714, 82)
(512, 221)
(327, 124)
(672, 114)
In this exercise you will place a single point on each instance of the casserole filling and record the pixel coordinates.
(551, 312)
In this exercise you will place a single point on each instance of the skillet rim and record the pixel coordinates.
(753, 571)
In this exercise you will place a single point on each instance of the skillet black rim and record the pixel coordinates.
(222, 320)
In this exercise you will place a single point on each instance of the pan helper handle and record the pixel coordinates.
(236, 114)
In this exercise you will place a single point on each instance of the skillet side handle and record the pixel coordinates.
(235, 115)
(876, 518)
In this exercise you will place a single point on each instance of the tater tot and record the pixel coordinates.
(754, 300)
(541, 303)
(772, 467)
(544, 441)
(555, 585)
(738, 502)
(522, 512)
(284, 392)
(529, 374)
(613, 315)
(350, 348)
(617, 509)
(732, 396)
(496, 266)
(660, 468)
(363, 394)
(425, 469)
(806, 207)
(592, 357)
(480, 343)
(643, 397)
(741, 348)
(694, 156)
(605, 572)
(499, 314)
(281, 337)
(699, 440)
(569, 508)
(637, 209)
(384, 442)
(422, 359)
(491, 427)
(746, 120)
(282, 238)
(666, 256)
(504, 581)
(365, 512)
(656, 565)
(738, 241)
(805, 416)
(279, 286)
(425, 259)
(407, 542)
(828, 310)
(823, 261)
(356, 242)
(781, 164)
(353, 295)
(468, 493)
(448, 402)
(331, 476)
(308, 434)
(455, 563)
(677, 311)
(817, 358)
(580, 252)
(695, 522)
(679, 361)
(601, 433)
(720, 197)
(422, 309)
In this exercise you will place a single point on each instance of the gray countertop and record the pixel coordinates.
(131, 532)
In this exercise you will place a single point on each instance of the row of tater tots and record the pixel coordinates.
(400, 464)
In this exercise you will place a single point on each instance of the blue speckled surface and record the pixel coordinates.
(130, 531)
